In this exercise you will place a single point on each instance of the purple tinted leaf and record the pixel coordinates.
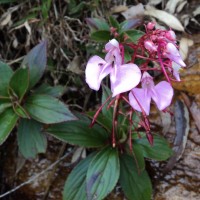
(97, 24)
(36, 61)
(130, 24)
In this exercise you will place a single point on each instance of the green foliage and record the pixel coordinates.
(79, 133)
(97, 24)
(101, 36)
(19, 101)
(36, 62)
(135, 185)
(21, 77)
(46, 89)
(133, 35)
(105, 95)
(8, 120)
(114, 23)
(75, 186)
(102, 174)
(5, 75)
(138, 156)
(47, 109)
(31, 140)
(159, 151)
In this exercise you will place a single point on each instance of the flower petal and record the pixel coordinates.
(175, 69)
(93, 70)
(173, 54)
(164, 93)
(111, 45)
(143, 98)
(124, 78)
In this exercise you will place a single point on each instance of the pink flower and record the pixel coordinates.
(162, 94)
(173, 54)
(123, 77)
(175, 70)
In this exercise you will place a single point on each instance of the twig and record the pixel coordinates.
(37, 176)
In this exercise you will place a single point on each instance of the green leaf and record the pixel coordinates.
(19, 82)
(101, 36)
(113, 22)
(31, 140)
(97, 24)
(78, 8)
(4, 106)
(127, 56)
(138, 156)
(55, 91)
(8, 119)
(20, 111)
(159, 151)
(133, 35)
(79, 133)
(135, 186)
(36, 61)
(5, 75)
(102, 120)
(102, 174)
(47, 109)
(75, 186)
(106, 93)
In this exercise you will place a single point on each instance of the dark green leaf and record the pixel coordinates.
(4, 106)
(102, 174)
(19, 82)
(75, 186)
(159, 151)
(101, 36)
(133, 35)
(5, 75)
(8, 120)
(79, 133)
(55, 91)
(113, 22)
(20, 111)
(138, 156)
(47, 109)
(36, 61)
(127, 56)
(97, 24)
(31, 140)
(102, 120)
(135, 186)
(106, 93)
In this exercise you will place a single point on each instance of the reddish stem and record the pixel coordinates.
(114, 121)
(98, 111)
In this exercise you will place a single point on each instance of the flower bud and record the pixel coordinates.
(149, 45)
(170, 35)
(151, 25)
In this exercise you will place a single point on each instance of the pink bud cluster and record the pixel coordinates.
(162, 43)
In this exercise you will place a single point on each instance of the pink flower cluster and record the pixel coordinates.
(163, 42)
(160, 45)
